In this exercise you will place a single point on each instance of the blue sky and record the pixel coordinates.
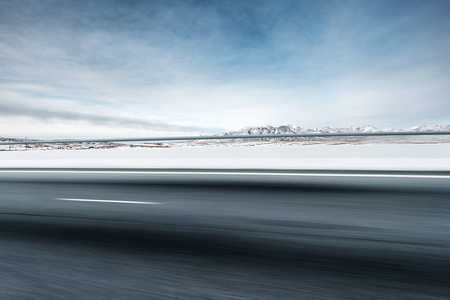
(142, 68)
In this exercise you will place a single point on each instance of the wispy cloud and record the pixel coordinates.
(195, 66)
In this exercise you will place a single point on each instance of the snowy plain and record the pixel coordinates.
(325, 157)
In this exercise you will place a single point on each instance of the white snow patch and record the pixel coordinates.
(356, 157)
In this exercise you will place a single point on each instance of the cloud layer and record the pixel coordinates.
(84, 68)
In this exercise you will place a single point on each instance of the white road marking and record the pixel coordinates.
(106, 201)
(238, 173)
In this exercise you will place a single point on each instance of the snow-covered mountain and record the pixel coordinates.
(285, 129)
(290, 129)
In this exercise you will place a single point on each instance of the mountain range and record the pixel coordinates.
(261, 130)
(290, 129)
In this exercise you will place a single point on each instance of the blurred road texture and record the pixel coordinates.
(190, 234)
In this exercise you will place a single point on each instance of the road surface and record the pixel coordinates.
(146, 234)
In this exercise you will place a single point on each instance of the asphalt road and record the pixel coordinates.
(68, 234)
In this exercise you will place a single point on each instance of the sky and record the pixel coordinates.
(161, 68)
